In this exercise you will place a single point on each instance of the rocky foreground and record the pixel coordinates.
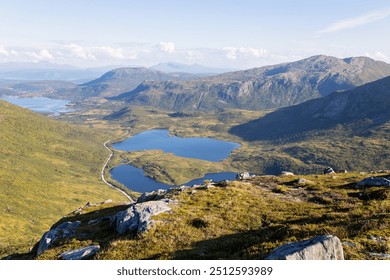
(333, 216)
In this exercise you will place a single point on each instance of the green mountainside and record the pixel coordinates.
(360, 110)
(47, 169)
(234, 220)
(259, 88)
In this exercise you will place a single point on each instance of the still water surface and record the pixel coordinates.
(159, 139)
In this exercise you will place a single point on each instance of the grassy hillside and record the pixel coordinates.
(248, 219)
(47, 169)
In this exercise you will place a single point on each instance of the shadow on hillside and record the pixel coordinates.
(244, 245)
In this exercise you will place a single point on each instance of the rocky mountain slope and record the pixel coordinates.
(359, 110)
(47, 168)
(243, 219)
(260, 88)
(121, 80)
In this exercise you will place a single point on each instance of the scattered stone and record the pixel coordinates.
(373, 182)
(286, 173)
(81, 254)
(380, 255)
(154, 195)
(137, 218)
(107, 201)
(183, 188)
(303, 181)
(342, 171)
(329, 170)
(349, 244)
(243, 176)
(194, 191)
(64, 230)
(323, 247)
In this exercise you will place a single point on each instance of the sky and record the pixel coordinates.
(235, 34)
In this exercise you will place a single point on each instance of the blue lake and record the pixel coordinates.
(159, 139)
(39, 104)
(134, 178)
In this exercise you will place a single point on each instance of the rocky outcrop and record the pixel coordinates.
(286, 173)
(81, 254)
(329, 170)
(137, 218)
(373, 182)
(64, 230)
(323, 247)
(244, 176)
(154, 195)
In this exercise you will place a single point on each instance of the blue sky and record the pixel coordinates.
(231, 33)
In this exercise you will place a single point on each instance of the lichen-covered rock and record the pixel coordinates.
(81, 254)
(137, 218)
(323, 247)
(64, 230)
(154, 195)
(373, 182)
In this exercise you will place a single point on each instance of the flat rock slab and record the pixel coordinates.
(323, 247)
(81, 254)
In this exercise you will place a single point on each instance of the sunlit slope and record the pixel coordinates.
(47, 169)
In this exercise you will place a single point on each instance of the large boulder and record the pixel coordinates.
(138, 217)
(64, 230)
(323, 247)
(81, 254)
(373, 182)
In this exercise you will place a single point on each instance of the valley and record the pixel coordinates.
(282, 117)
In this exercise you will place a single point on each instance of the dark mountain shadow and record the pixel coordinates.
(356, 111)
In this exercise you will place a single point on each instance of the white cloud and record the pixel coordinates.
(3, 51)
(80, 52)
(350, 23)
(38, 55)
(167, 47)
(234, 53)
(116, 53)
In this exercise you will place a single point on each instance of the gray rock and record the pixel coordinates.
(154, 195)
(303, 181)
(373, 182)
(243, 176)
(81, 254)
(379, 255)
(64, 230)
(286, 173)
(323, 247)
(328, 170)
(137, 218)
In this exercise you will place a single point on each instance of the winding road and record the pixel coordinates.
(104, 167)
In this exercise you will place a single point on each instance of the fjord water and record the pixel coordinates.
(159, 139)
(39, 104)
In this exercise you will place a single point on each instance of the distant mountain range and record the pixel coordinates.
(260, 88)
(125, 79)
(360, 109)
